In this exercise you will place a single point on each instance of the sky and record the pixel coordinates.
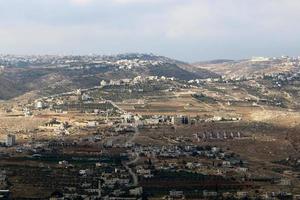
(189, 30)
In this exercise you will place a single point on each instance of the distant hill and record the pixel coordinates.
(251, 67)
(51, 74)
(218, 61)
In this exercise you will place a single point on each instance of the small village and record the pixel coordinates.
(92, 146)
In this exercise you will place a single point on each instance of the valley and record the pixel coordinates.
(106, 130)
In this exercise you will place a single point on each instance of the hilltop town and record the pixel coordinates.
(139, 126)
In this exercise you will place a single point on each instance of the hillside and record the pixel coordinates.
(50, 74)
(251, 67)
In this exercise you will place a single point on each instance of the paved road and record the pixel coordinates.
(136, 133)
(136, 159)
(133, 175)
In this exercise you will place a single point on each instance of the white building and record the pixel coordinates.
(39, 105)
(103, 83)
(115, 82)
(92, 124)
(259, 59)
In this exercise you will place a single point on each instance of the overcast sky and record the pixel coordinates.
(190, 30)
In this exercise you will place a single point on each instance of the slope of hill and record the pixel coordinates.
(50, 75)
(251, 67)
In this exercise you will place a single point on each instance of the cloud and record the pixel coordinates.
(191, 29)
(81, 2)
(197, 19)
(136, 1)
(120, 2)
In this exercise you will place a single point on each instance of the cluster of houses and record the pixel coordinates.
(165, 154)
(218, 135)
(124, 60)
(101, 182)
(243, 194)
(172, 120)
(134, 81)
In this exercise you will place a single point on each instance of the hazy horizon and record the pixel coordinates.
(191, 30)
(116, 54)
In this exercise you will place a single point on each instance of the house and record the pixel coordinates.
(86, 97)
(285, 182)
(226, 164)
(151, 121)
(241, 194)
(103, 83)
(126, 80)
(176, 194)
(210, 193)
(4, 194)
(146, 173)
(136, 191)
(115, 82)
(92, 124)
(181, 120)
(39, 105)
(127, 118)
(10, 140)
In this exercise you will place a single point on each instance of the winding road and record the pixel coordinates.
(136, 159)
